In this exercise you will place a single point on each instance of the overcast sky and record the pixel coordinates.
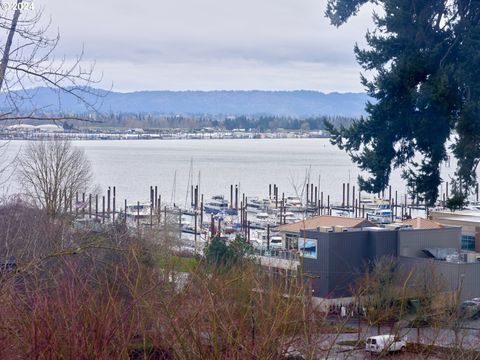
(211, 44)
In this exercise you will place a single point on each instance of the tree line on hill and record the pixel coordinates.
(260, 123)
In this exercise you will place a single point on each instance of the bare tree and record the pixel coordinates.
(52, 172)
(27, 60)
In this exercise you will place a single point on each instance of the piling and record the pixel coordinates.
(195, 230)
(108, 202)
(83, 204)
(212, 227)
(268, 237)
(96, 207)
(236, 198)
(201, 212)
(89, 206)
(321, 203)
(103, 209)
(179, 223)
(308, 185)
(348, 196)
(353, 200)
(241, 216)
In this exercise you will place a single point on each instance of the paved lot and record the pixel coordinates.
(468, 338)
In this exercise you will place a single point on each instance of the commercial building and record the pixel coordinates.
(338, 251)
(468, 220)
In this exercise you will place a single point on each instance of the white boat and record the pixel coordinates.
(294, 204)
(383, 215)
(219, 205)
(289, 217)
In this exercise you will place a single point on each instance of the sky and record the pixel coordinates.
(210, 44)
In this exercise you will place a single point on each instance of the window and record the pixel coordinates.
(308, 247)
(468, 242)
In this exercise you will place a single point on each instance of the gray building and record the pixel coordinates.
(333, 261)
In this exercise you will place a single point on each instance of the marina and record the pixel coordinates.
(256, 219)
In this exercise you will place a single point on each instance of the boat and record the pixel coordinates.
(289, 217)
(294, 204)
(218, 205)
(382, 215)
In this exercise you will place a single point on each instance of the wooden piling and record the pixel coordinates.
(321, 203)
(83, 204)
(89, 206)
(268, 237)
(195, 231)
(103, 209)
(201, 212)
(236, 198)
(353, 200)
(311, 193)
(108, 201)
(348, 196)
(241, 216)
(96, 207)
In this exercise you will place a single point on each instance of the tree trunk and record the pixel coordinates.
(8, 44)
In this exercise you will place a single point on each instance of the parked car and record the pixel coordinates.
(385, 344)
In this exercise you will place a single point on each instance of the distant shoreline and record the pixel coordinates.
(129, 136)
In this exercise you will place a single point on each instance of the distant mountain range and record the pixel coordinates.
(281, 103)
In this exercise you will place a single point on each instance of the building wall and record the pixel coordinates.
(343, 257)
(317, 269)
(349, 256)
(383, 243)
(462, 277)
(412, 242)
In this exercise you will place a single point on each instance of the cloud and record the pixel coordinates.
(232, 44)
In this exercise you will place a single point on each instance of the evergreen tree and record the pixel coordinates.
(424, 54)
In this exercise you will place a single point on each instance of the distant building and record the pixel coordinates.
(468, 220)
(49, 128)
